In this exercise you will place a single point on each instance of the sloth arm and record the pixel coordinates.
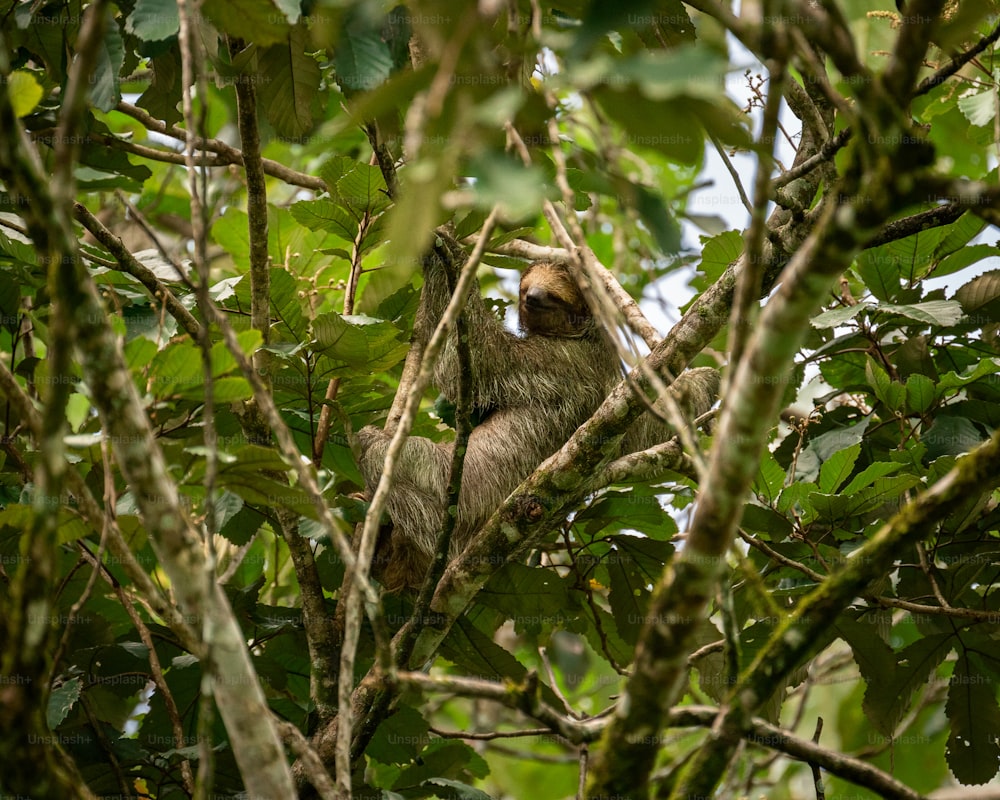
(507, 370)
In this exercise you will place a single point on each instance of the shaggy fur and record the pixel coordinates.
(535, 391)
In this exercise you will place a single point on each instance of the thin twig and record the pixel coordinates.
(225, 154)
(817, 775)
(129, 264)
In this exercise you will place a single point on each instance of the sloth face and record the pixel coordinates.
(550, 303)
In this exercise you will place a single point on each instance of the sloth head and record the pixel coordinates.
(550, 303)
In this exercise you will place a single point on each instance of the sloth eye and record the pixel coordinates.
(536, 298)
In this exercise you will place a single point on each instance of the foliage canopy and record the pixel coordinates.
(212, 218)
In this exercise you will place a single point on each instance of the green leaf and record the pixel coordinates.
(981, 295)
(870, 474)
(176, 369)
(414, 216)
(605, 19)
(104, 88)
(287, 304)
(669, 100)
(648, 555)
(61, 701)
(956, 28)
(441, 757)
(882, 491)
(362, 61)
(257, 474)
(837, 316)
(223, 360)
(470, 223)
(325, 215)
(920, 394)
(139, 353)
(107, 703)
(943, 313)
(914, 357)
(603, 636)
(880, 273)
(153, 20)
(508, 236)
(838, 468)
(826, 444)
(360, 341)
(979, 109)
(230, 232)
(891, 393)
(765, 522)
(25, 92)
(950, 436)
(887, 698)
(669, 127)
(957, 237)
(335, 168)
(290, 81)
(964, 257)
(656, 215)
(719, 252)
(397, 31)
(628, 597)
(162, 97)
(399, 738)
(873, 655)
(501, 180)
(954, 380)
(770, 478)
(78, 410)
(619, 509)
(477, 654)
(516, 587)
(973, 751)
(794, 501)
(263, 22)
(455, 790)
(226, 390)
(363, 190)
(20, 251)
(241, 526)
(839, 507)
(400, 305)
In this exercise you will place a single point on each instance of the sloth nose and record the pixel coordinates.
(535, 296)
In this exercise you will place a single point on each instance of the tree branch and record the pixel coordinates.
(681, 597)
(978, 472)
(225, 153)
(130, 265)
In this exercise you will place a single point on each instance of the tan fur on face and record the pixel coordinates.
(550, 302)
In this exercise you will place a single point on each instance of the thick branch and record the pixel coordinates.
(525, 699)
(89, 509)
(978, 473)
(680, 599)
(126, 426)
(771, 736)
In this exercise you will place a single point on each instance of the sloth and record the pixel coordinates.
(533, 391)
